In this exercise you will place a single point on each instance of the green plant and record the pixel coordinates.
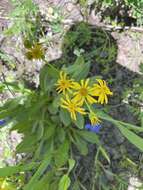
(122, 12)
(50, 132)
(7, 59)
(136, 9)
(95, 45)
(102, 173)
(23, 17)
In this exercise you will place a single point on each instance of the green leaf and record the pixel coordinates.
(10, 170)
(27, 145)
(65, 117)
(71, 164)
(79, 69)
(40, 130)
(44, 181)
(48, 77)
(61, 134)
(64, 183)
(22, 126)
(79, 121)
(132, 137)
(104, 153)
(62, 154)
(53, 107)
(49, 131)
(38, 173)
(84, 70)
(54, 185)
(81, 144)
(89, 136)
(107, 117)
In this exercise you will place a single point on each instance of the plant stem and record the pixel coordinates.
(50, 65)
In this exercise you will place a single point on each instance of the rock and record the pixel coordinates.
(129, 55)
(134, 183)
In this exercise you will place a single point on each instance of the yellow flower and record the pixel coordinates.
(101, 90)
(64, 84)
(4, 185)
(35, 52)
(94, 119)
(83, 92)
(72, 106)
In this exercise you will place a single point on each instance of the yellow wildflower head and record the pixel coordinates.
(35, 52)
(101, 90)
(4, 185)
(64, 84)
(83, 92)
(72, 106)
(94, 119)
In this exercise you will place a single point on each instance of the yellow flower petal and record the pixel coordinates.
(76, 85)
(86, 83)
(91, 100)
(101, 90)
(72, 106)
(64, 84)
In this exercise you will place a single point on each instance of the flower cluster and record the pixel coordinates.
(79, 96)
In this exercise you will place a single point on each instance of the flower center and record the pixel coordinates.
(83, 92)
(64, 84)
(103, 89)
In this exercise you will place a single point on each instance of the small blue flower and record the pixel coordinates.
(88, 126)
(93, 128)
(2, 122)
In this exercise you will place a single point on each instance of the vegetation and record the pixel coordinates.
(71, 108)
